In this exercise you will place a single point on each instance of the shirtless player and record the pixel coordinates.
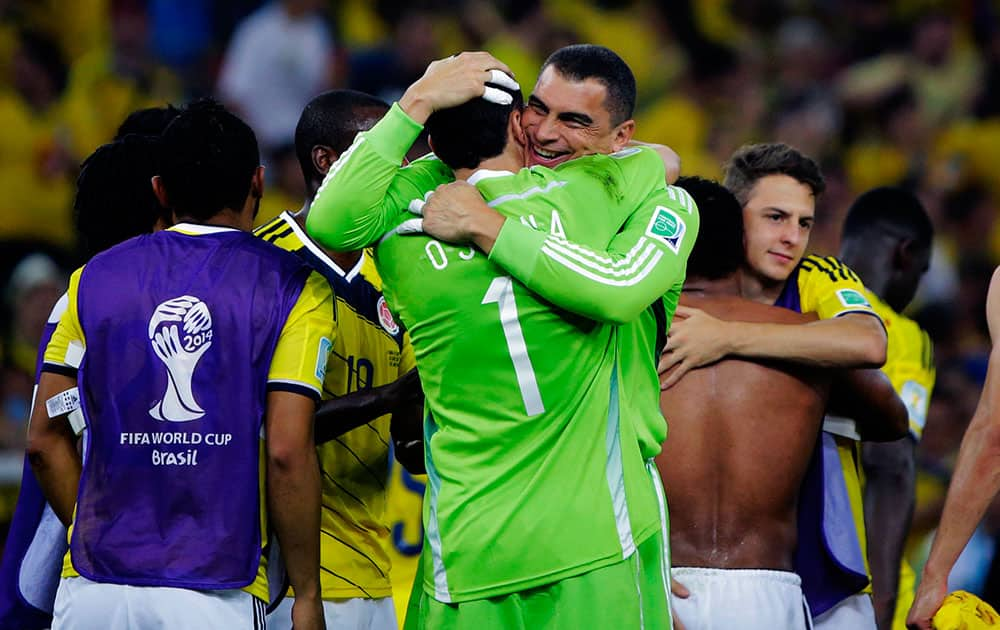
(741, 435)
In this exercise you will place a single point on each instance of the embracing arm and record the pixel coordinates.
(868, 397)
(337, 416)
(696, 338)
(356, 204)
(614, 284)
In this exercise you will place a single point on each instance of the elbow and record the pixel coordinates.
(619, 312)
(872, 347)
(286, 456)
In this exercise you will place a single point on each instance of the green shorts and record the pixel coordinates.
(627, 595)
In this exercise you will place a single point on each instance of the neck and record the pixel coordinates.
(864, 260)
(508, 160)
(730, 285)
(753, 287)
(226, 218)
(344, 260)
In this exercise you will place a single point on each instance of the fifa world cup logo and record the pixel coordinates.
(180, 331)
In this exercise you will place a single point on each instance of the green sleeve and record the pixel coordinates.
(363, 193)
(641, 263)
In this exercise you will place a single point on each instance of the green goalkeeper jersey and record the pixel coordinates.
(535, 472)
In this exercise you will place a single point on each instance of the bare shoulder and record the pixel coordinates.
(732, 308)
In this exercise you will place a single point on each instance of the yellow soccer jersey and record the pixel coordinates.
(370, 350)
(829, 288)
(403, 512)
(294, 362)
(909, 363)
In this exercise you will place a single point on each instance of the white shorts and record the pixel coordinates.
(749, 599)
(358, 613)
(854, 613)
(85, 605)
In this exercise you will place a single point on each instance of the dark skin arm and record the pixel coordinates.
(867, 397)
(890, 474)
(293, 498)
(52, 450)
(403, 398)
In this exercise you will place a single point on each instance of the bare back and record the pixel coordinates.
(741, 436)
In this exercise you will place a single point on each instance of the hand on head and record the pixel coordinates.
(455, 80)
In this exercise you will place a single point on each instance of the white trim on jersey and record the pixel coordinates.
(650, 266)
(646, 252)
(485, 173)
(198, 229)
(531, 192)
(615, 471)
(311, 245)
(580, 251)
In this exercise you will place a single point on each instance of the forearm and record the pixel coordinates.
(868, 397)
(408, 437)
(974, 485)
(853, 342)
(51, 449)
(613, 285)
(338, 416)
(889, 500)
(351, 209)
(57, 466)
(293, 492)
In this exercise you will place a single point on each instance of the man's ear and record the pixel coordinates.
(159, 191)
(323, 158)
(257, 183)
(623, 135)
(516, 131)
(903, 254)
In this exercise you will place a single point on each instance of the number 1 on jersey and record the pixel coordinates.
(501, 291)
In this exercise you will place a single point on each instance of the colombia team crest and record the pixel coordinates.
(180, 332)
(385, 317)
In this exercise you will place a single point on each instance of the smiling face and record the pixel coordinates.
(565, 119)
(777, 219)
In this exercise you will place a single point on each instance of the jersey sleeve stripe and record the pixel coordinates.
(645, 271)
(633, 269)
(294, 387)
(64, 370)
(578, 251)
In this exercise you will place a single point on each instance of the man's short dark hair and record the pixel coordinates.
(718, 250)
(476, 130)
(580, 62)
(333, 119)
(208, 161)
(151, 121)
(889, 210)
(114, 193)
(752, 162)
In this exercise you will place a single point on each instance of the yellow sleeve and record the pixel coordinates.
(912, 373)
(299, 362)
(830, 289)
(406, 359)
(65, 348)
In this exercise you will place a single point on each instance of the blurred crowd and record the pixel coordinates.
(904, 92)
